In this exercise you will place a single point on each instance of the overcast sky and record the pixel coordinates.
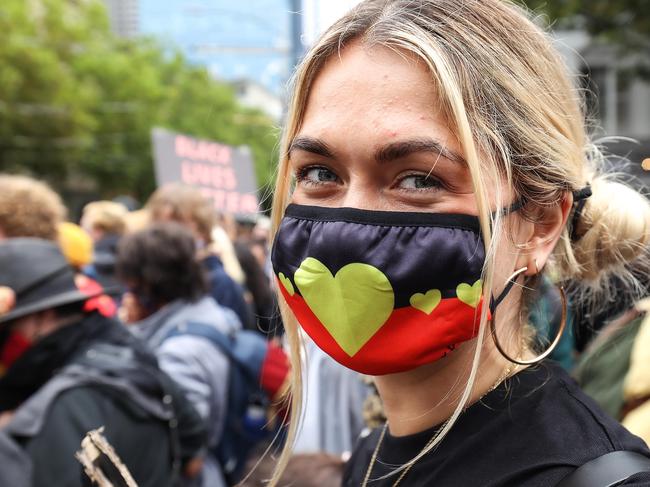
(319, 14)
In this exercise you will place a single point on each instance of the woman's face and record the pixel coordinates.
(374, 137)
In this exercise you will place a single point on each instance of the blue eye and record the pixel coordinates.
(419, 182)
(316, 175)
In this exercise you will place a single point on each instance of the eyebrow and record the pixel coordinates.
(386, 153)
(397, 150)
(310, 144)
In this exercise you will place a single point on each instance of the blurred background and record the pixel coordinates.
(84, 83)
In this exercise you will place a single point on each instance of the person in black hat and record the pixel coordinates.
(64, 372)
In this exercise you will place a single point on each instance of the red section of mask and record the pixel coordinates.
(15, 346)
(409, 338)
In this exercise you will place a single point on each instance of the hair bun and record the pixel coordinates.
(613, 229)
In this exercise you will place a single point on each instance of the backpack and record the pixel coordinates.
(245, 422)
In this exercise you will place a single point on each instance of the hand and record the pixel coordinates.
(7, 300)
(193, 467)
(5, 418)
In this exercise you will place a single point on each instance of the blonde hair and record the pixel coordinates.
(506, 93)
(137, 220)
(107, 216)
(29, 208)
(184, 204)
(223, 247)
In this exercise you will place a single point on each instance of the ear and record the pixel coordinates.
(546, 231)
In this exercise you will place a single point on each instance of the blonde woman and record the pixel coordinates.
(435, 164)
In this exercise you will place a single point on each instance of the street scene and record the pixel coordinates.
(324, 243)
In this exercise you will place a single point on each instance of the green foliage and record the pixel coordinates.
(623, 23)
(78, 104)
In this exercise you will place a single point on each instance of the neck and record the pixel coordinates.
(422, 398)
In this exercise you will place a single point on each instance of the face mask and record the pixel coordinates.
(381, 292)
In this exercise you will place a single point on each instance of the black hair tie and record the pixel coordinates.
(580, 197)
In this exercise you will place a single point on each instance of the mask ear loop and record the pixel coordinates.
(493, 332)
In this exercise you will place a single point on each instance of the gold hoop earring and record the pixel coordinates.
(536, 267)
(554, 343)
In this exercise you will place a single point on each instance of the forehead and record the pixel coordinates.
(377, 92)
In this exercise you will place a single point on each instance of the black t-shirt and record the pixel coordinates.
(531, 431)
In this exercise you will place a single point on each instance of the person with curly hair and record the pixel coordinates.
(29, 208)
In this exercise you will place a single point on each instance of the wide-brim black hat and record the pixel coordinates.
(39, 275)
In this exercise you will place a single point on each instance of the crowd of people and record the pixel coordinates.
(446, 253)
(109, 322)
(97, 330)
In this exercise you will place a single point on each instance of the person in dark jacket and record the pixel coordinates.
(167, 286)
(64, 372)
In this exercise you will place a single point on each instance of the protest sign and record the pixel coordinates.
(224, 174)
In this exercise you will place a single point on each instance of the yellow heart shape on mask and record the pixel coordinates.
(287, 284)
(426, 302)
(352, 305)
(470, 295)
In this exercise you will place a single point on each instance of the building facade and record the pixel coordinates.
(616, 96)
(124, 17)
(233, 40)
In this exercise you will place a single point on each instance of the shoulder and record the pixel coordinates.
(547, 427)
(193, 353)
(189, 335)
(120, 339)
(73, 413)
(182, 353)
(549, 403)
(532, 431)
(564, 407)
(78, 410)
(90, 406)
